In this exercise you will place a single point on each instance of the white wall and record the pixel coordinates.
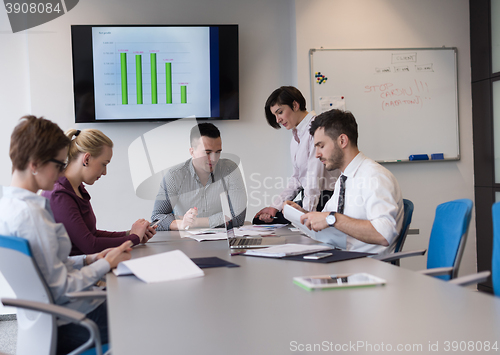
(403, 24)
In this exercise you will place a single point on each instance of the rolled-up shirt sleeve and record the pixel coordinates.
(382, 207)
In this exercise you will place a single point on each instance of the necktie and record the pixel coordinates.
(340, 209)
(295, 135)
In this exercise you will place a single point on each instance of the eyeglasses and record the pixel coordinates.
(61, 165)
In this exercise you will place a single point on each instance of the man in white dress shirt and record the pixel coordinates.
(366, 210)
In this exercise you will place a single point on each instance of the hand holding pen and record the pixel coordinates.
(189, 219)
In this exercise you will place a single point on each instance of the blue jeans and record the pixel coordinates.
(70, 336)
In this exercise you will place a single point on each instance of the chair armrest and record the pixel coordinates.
(61, 312)
(437, 271)
(471, 279)
(66, 314)
(86, 294)
(400, 255)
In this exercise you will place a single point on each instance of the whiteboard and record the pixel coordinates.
(404, 100)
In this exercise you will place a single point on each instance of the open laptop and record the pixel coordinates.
(243, 242)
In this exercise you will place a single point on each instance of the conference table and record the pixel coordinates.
(257, 309)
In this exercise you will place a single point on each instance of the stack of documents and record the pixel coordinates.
(220, 233)
(280, 251)
(205, 234)
(169, 266)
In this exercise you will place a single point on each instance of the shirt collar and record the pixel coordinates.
(354, 165)
(25, 195)
(303, 126)
(195, 175)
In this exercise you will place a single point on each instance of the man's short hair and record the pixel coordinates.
(336, 122)
(284, 95)
(204, 130)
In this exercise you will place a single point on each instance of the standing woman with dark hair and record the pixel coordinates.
(286, 107)
(38, 150)
(90, 152)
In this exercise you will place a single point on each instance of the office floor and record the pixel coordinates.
(8, 334)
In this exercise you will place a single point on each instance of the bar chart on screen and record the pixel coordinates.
(146, 76)
(151, 72)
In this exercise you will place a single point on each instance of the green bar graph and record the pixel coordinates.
(138, 77)
(154, 92)
(183, 94)
(123, 61)
(168, 81)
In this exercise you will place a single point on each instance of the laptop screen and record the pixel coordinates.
(228, 219)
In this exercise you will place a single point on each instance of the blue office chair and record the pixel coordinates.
(495, 260)
(447, 240)
(408, 213)
(37, 313)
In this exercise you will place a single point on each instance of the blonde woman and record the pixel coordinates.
(90, 152)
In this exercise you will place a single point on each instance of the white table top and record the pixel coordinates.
(256, 309)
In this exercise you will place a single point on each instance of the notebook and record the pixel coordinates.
(245, 242)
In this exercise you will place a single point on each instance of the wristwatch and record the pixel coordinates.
(330, 219)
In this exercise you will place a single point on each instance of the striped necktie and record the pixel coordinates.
(340, 209)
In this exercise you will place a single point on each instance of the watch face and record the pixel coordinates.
(330, 220)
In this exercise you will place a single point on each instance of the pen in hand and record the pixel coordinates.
(192, 211)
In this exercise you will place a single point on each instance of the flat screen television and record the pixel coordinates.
(155, 72)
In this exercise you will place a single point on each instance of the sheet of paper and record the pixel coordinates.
(169, 266)
(204, 234)
(205, 237)
(252, 233)
(206, 231)
(279, 251)
(261, 227)
(327, 103)
(331, 234)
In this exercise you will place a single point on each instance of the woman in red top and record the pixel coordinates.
(89, 154)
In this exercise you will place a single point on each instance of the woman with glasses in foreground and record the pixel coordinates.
(38, 149)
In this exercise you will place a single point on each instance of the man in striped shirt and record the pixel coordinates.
(189, 194)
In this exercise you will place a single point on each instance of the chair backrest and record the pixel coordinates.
(495, 260)
(408, 213)
(408, 208)
(37, 332)
(448, 235)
